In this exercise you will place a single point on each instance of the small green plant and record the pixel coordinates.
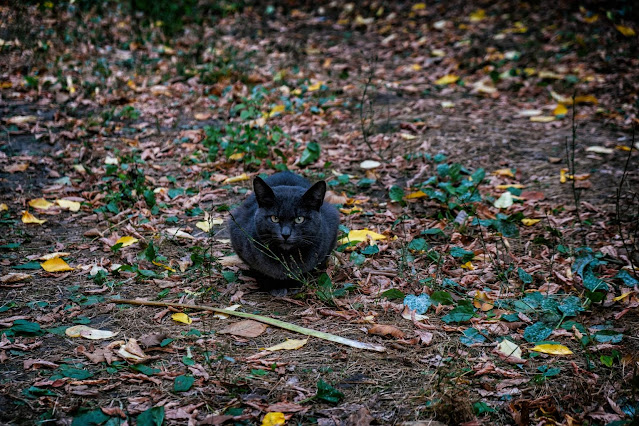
(246, 136)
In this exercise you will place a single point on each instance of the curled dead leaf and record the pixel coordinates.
(386, 330)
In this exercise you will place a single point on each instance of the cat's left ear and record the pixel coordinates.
(314, 197)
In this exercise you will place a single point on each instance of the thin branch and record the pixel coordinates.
(263, 319)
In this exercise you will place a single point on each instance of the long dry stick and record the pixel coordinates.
(260, 318)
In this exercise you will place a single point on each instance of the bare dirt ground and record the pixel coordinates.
(153, 135)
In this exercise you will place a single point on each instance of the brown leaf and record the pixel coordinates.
(246, 328)
(425, 337)
(386, 330)
(286, 407)
(113, 411)
(153, 339)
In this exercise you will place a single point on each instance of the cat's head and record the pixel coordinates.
(288, 217)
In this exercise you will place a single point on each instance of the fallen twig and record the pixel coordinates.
(265, 320)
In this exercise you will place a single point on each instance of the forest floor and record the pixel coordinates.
(487, 147)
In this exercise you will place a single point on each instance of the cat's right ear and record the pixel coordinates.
(263, 193)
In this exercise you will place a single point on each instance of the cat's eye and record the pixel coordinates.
(299, 219)
(275, 219)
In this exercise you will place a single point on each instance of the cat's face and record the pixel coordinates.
(288, 219)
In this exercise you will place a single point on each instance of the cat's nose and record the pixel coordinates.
(286, 232)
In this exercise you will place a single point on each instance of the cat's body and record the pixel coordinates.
(284, 230)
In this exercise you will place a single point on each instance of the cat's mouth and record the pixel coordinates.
(286, 246)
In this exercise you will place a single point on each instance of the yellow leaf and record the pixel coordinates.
(89, 333)
(204, 225)
(40, 203)
(290, 344)
(73, 206)
(591, 19)
(361, 235)
(542, 119)
(416, 67)
(315, 87)
(236, 156)
(419, 6)
(504, 172)
(181, 317)
(483, 302)
(530, 222)
(418, 194)
(17, 167)
(511, 185)
(352, 210)
(623, 296)
(276, 110)
(54, 255)
(477, 15)
(586, 99)
(167, 267)
(622, 147)
(126, 241)
(234, 179)
(29, 218)
(3, 207)
(56, 265)
(447, 79)
(468, 265)
(407, 136)
(560, 109)
(562, 175)
(274, 419)
(627, 31)
(552, 349)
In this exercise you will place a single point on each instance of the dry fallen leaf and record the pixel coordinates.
(126, 241)
(181, 317)
(274, 419)
(235, 179)
(56, 265)
(16, 167)
(288, 345)
(73, 206)
(552, 349)
(504, 201)
(14, 277)
(530, 222)
(40, 204)
(447, 79)
(356, 235)
(370, 164)
(245, 328)
(89, 333)
(386, 330)
(29, 218)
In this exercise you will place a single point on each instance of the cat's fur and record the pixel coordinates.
(283, 251)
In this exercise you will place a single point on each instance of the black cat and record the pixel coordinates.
(284, 229)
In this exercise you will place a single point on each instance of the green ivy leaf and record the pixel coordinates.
(524, 276)
(73, 372)
(328, 393)
(93, 417)
(461, 313)
(370, 250)
(571, 306)
(441, 298)
(311, 154)
(418, 244)
(151, 417)
(627, 279)
(26, 328)
(472, 336)
(357, 258)
(537, 332)
(419, 304)
(396, 193)
(183, 383)
(393, 294)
